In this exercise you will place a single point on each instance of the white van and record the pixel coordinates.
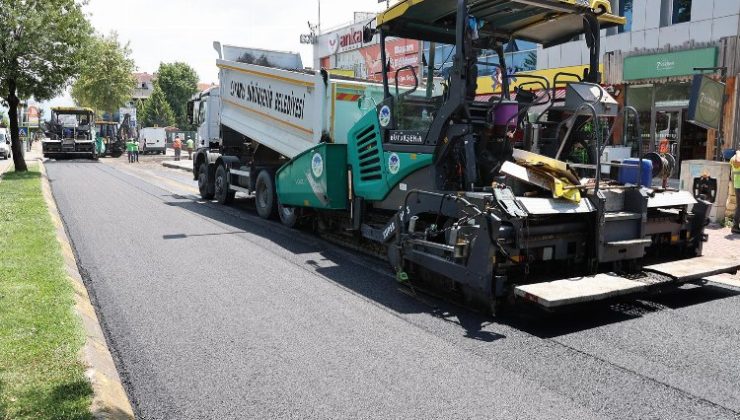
(153, 140)
(4, 143)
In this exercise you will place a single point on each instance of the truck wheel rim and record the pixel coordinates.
(201, 178)
(262, 196)
(287, 211)
(220, 185)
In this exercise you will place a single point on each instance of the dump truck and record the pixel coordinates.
(70, 133)
(481, 199)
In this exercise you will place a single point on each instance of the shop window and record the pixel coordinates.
(625, 9)
(520, 56)
(672, 95)
(681, 11)
(640, 97)
(674, 11)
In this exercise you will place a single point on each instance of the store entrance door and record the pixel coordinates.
(667, 133)
(693, 144)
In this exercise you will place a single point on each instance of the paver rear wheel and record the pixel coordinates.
(288, 215)
(222, 193)
(265, 197)
(203, 182)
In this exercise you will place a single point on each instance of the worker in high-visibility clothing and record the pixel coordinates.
(130, 147)
(735, 164)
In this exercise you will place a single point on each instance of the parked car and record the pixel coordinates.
(5, 150)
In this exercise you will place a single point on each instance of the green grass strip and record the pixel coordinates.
(41, 375)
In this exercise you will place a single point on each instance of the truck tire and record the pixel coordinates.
(288, 215)
(203, 182)
(222, 193)
(265, 199)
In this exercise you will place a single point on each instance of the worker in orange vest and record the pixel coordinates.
(177, 145)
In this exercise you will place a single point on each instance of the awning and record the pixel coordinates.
(546, 22)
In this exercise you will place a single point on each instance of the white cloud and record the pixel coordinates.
(184, 30)
(170, 30)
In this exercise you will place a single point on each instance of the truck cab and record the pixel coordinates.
(204, 112)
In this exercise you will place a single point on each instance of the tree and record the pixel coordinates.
(106, 80)
(4, 121)
(530, 63)
(156, 112)
(41, 44)
(139, 105)
(178, 82)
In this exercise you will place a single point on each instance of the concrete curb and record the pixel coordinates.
(109, 400)
(173, 165)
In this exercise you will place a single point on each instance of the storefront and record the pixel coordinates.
(659, 87)
(343, 51)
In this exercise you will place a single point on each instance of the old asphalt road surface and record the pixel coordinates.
(212, 312)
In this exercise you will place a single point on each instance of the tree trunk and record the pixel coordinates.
(16, 147)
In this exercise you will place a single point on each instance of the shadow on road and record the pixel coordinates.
(360, 274)
(585, 317)
(372, 279)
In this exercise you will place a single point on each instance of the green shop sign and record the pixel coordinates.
(677, 63)
(707, 102)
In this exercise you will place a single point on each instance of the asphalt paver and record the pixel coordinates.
(212, 312)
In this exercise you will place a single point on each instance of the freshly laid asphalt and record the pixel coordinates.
(212, 312)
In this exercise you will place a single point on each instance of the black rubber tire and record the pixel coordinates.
(265, 199)
(116, 154)
(221, 183)
(288, 215)
(203, 182)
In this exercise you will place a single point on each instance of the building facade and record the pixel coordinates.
(342, 51)
(650, 63)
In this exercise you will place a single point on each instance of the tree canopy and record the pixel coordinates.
(156, 111)
(178, 82)
(106, 80)
(41, 45)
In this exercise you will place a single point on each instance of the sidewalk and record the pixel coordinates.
(32, 156)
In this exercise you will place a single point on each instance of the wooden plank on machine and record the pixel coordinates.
(696, 268)
(575, 290)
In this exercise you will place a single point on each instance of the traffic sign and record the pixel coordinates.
(23, 132)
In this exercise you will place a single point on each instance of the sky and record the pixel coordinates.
(184, 30)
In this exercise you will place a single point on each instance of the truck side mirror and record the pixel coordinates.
(367, 34)
(191, 108)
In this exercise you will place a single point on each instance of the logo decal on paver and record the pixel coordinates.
(394, 163)
(317, 165)
(384, 116)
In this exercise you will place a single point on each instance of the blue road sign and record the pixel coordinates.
(23, 132)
